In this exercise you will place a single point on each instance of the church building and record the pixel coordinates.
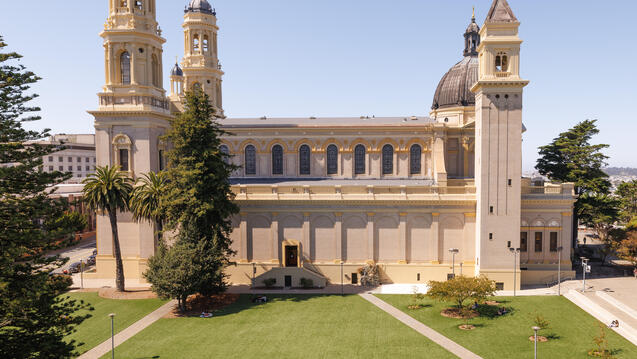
(421, 197)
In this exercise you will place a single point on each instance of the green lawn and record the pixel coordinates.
(300, 326)
(507, 336)
(97, 328)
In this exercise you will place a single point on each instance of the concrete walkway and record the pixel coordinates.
(129, 332)
(433, 335)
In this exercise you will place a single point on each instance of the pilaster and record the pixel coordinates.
(338, 229)
(403, 238)
(435, 238)
(370, 236)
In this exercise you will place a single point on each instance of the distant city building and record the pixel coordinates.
(77, 157)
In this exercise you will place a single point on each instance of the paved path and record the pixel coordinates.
(129, 332)
(433, 335)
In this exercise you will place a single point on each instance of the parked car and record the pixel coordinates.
(90, 260)
(74, 268)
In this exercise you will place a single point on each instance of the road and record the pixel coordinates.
(76, 253)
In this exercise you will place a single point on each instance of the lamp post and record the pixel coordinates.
(254, 272)
(515, 252)
(82, 273)
(453, 252)
(112, 315)
(584, 268)
(559, 270)
(342, 291)
(535, 329)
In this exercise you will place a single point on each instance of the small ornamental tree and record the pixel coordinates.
(461, 289)
(628, 249)
(173, 273)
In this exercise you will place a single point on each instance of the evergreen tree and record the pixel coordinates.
(198, 200)
(34, 318)
(627, 194)
(572, 158)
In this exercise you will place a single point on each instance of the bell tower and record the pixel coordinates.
(201, 65)
(133, 114)
(498, 148)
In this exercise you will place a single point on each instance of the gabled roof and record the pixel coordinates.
(501, 12)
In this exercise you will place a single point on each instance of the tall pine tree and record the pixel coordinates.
(198, 200)
(572, 158)
(34, 318)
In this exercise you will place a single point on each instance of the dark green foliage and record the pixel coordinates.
(571, 158)
(307, 283)
(269, 283)
(198, 202)
(109, 189)
(174, 272)
(33, 318)
(627, 195)
(145, 201)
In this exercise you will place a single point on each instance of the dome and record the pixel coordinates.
(176, 71)
(202, 6)
(455, 87)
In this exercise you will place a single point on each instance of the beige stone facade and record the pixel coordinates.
(332, 194)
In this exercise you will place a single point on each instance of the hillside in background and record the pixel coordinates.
(621, 171)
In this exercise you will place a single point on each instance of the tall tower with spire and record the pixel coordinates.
(133, 114)
(498, 143)
(201, 65)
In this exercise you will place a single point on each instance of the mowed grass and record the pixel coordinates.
(301, 326)
(507, 336)
(97, 328)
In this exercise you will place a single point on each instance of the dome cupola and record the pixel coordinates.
(176, 71)
(455, 87)
(202, 6)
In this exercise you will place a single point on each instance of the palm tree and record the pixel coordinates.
(109, 189)
(145, 198)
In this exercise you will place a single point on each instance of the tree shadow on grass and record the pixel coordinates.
(493, 312)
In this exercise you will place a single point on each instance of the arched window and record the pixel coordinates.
(122, 146)
(332, 160)
(205, 44)
(226, 152)
(123, 3)
(501, 62)
(304, 160)
(250, 160)
(155, 65)
(139, 4)
(197, 86)
(359, 159)
(124, 67)
(195, 43)
(388, 160)
(415, 156)
(277, 160)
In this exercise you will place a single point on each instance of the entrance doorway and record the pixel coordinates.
(291, 256)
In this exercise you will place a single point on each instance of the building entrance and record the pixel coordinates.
(291, 256)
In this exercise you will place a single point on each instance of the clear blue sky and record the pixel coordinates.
(355, 57)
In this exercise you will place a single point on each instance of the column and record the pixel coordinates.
(243, 227)
(466, 146)
(274, 253)
(565, 237)
(306, 238)
(440, 168)
(435, 235)
(133, 64)
(338, 229)
(402, 228)
(370, 236)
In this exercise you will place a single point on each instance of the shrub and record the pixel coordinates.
(461, 288)
(269, 282)
(601, 344)
(307, 283)
(541, 322)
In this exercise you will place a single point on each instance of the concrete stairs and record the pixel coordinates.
(605, 311)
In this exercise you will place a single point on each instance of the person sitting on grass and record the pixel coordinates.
(474, 306)
(502, 311)
(614, 324)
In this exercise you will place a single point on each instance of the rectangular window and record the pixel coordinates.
(553, 241)
(538, 241)
(70, 159)
(87, 159)
(123, 159)
(50, 168)
(88, 168)
(60, 168)
(61, 159)
(524, 237)
(499, 286)
(70, 168)
(50, 158)
(354, 278)
(79, 159)
(79, 168)
(93, 159)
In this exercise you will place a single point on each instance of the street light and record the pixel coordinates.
(584, 269)
(515, 252)
(559, 270)
(535, 329)
(342, 292)
(112, 315)
(453, 252)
